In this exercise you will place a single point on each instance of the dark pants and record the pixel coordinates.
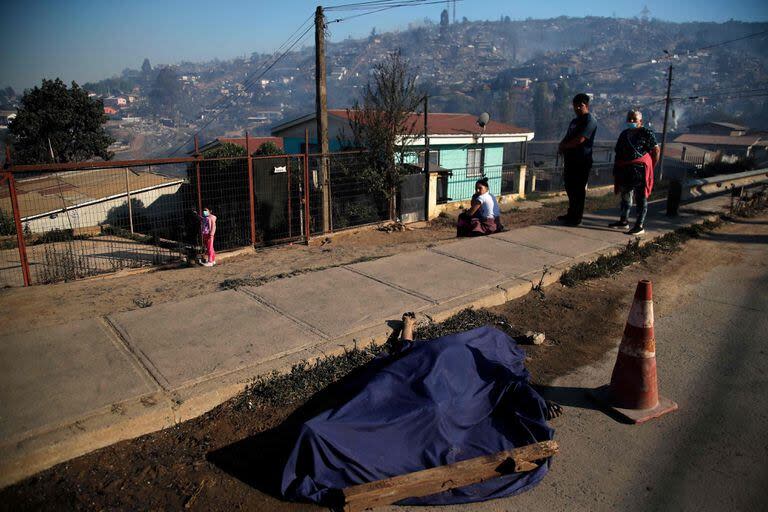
(628, 192)
(575, 177)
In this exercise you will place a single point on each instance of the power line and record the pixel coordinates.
(246, 89)
(384, 6)
(380, 3)
(248, 82)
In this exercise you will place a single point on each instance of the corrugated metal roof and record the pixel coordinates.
(69, 189)
(718, 140)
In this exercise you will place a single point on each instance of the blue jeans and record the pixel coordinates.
(641, 202)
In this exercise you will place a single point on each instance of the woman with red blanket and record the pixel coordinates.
(637, 153)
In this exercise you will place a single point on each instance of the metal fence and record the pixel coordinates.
(61, 222)
(550, 178)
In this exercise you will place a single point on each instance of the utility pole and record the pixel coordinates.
(426, 157)
(664, 129)
(321, 114)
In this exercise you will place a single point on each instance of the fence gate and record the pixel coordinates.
(278, 186)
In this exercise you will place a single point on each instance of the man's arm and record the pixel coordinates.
(572, 143)
(580, 136)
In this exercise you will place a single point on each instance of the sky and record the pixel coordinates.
(88, 40)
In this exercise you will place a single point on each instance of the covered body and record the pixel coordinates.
(434, 403)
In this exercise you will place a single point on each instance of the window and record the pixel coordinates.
(434, 159)
(474, 163)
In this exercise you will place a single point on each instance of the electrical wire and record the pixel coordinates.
(246, 89)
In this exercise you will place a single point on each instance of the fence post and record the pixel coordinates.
(521, 179)
(19, 227)
(290, 209)
(197, 178)
(128, 195)
(250, 190)
(306, 185)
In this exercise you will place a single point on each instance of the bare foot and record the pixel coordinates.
(553, 411)
(409, 322)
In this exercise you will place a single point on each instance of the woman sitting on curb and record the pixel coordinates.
(483, 216)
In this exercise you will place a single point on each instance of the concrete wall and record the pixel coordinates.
(158, 203)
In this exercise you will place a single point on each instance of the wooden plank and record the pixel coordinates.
(443, 478)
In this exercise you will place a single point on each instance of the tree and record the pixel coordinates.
(444, 20)
(269, 149)
(542, 109)
(58, 120)
(382, 124)
(562, 109)
(146, 67)
(165, 91)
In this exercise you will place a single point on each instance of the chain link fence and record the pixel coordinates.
(81, 220)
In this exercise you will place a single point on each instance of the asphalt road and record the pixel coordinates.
(712, 352)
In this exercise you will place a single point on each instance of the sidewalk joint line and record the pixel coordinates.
(392, 285)
(459, 258)
(529, 246)
(144, 361)
(581, 233)
(305, 326)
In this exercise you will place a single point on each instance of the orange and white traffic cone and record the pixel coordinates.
(633, 392)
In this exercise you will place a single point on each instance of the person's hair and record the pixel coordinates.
(581, 98)
(634, 114)
(483, 182)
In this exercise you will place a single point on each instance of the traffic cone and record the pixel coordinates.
(633, 392)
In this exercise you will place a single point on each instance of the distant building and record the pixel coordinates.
(457, 144)
(110, 111)
(727, 145)
(115, 102)
(718, 128)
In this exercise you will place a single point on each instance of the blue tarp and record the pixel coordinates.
(433, 403)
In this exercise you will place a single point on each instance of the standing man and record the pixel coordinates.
(576, 148)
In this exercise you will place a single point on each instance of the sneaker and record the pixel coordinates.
(637, 230)
(619, 224)
(209, 263)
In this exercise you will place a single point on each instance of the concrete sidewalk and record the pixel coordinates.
(68, 390)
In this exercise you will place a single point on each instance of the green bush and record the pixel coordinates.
(7, 224)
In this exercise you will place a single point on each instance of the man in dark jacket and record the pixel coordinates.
(576, 148)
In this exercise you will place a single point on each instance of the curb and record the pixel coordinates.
(161, 409)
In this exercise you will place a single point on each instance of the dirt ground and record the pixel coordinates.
(46, 305)
(229, 458)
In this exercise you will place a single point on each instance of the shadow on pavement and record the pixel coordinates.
(576, 397)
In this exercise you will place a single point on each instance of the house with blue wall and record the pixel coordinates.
(456, 142)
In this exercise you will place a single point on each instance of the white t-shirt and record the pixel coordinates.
(489, 208)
